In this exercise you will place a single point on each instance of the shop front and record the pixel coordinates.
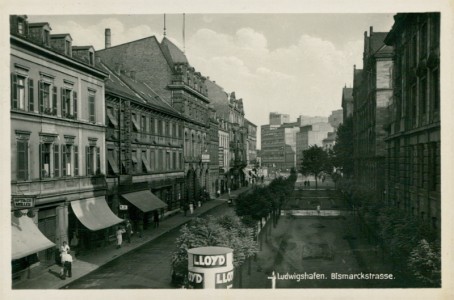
(143, 203)
(91, 223)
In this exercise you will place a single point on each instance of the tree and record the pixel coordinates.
(226, 231)
(315, 162)
(343, 148)
(425, 263)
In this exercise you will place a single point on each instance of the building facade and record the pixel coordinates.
(310, 135)
(251, 144)
(336, 118)
(371, 100)
(413, 144)
(57, 144)
(347, 102)
(144, 140)
(165, 68)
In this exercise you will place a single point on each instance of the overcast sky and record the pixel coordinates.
(288, 63)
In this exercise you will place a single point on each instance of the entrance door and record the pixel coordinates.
(47, 226)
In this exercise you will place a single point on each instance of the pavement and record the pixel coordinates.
(48, 278)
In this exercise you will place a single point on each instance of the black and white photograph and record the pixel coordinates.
(245, 147)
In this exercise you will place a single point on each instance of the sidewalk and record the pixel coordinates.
(84, 264)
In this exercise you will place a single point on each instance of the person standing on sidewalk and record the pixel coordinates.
(67, 261)
(156, 219)
(119, 233)
(128, 230)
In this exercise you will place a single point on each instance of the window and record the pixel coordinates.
(161, 160)
(145, 163)
(93, 160)
(22, 160)
(159, 128)
(152, 131)
(75, 105)
(91, 58)
(153, 163)
(45, 160)
(112, 162)
(66, 160)
(168, 164)
(143, 124)
(68, 48)
(423, 42)
(134, 160)
(46, 37)
(433, 167)
(47, 104)
(20, 27)
(18, 92)
(91, 107)
(423, 99)
(174, 161)
(66, 103)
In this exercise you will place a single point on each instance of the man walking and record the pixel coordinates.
(128, 231)
(67, 261)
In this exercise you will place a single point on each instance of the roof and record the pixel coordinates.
(219, 98)
(82, 47)
(347, 93)
(172, 53)
(134, 89)
(38, 24)
(60, 35)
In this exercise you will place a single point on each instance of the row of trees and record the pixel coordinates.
(237, 233)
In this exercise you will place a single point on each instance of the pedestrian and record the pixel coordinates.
(185, 208)
(119, 233)
(64, 248)
(156, 219)
(228, 189)
(191, 208)
(318, 209)
(218, 193)
(128, 229)
(67, 261)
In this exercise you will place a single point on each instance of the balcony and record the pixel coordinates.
(57, 186)
(146, 138)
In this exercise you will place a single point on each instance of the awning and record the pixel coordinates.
(94, 213)
(144, 200)
(27, 238)
(112, 118)
(112, 162)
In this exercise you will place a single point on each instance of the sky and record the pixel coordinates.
(288, 63)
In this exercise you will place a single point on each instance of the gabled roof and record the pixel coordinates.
(376, 41)
(135, 90)
(219, 98)
(172, 53)
(60, 35)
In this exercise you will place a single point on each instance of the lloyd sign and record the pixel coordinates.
(195, 280)
(224, 280)
(209, 261)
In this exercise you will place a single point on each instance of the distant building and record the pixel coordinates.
(307, 120)
(330, 141)
(279, 119)
(347, 102)
(251, 143)
(336, 118)
(310, 135)
(413, 145)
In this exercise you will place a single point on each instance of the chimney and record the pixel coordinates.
(107, 38)
(371, 30)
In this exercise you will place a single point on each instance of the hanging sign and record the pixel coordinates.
(123, 207)
(24, 202)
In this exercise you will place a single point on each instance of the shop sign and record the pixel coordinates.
(205, 157)
(195, 280)
(24, 202)
(224, 280)
(209, 261)
(123, 207)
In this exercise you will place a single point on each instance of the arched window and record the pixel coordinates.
(193, 145)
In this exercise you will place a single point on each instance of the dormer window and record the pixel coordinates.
(20, 26)
(46, 37)
(68, 48)
(91, 56)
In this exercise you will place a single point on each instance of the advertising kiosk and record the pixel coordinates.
(210, 268)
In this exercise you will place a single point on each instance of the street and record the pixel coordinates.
(146, 267)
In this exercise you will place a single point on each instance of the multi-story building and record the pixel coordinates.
(144, 140)
(278, 143)
(57, 144)
(308, 120)
(372, 95)
(251, 143)
(413, 144)
(347, 102)
(214, 146)
(311, 135)
(165, 68)
(329, 142)
(220, 101)
(336, 118)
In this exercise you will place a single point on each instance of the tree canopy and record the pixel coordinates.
(315, 162)
(343, 148)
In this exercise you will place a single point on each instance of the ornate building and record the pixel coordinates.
(413, 145)
(57, 144)
(165, 68)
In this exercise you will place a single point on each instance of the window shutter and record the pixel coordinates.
(41, 96)
(76, 160)
(63, 159)
(13, 91)
(87, 160)
(56, 161)
(98, 160)
(63, 102)
(31, 99)
(75, 104)
(54, 100)
(41, 161)
(20, 160)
